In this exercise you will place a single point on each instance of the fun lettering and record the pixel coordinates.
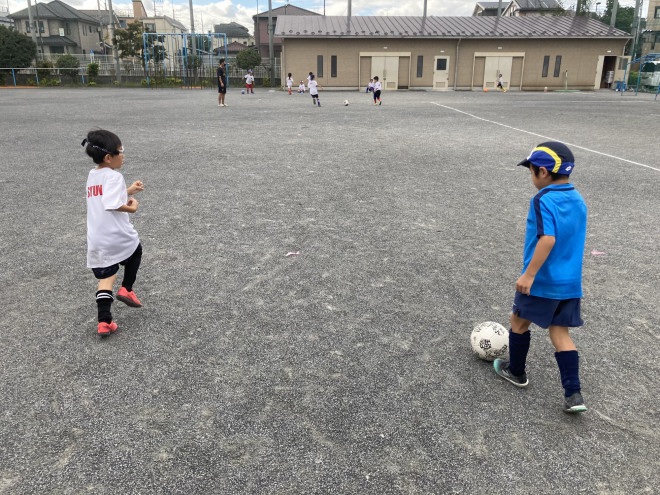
(94, 191)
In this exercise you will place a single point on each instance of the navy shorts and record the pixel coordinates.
(546, 312)
(109, 271)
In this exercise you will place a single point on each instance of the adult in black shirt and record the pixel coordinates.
(222, 83)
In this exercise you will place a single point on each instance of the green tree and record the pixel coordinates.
(68, 65)
(93, 70)
(247, 59)
(130, 43)
(624, 16)
(16, 49)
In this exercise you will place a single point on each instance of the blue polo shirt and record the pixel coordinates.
(557, 210)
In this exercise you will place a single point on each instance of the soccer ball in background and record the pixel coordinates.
(490, 341)
(345, 103)
(242, 91)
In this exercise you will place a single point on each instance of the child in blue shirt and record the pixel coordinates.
(549, 290)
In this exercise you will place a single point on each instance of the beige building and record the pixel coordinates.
(460, 53)
(152, 24)
(651, 35)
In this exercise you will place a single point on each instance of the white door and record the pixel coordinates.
(493, 68)
(441, 73)
(387, 70)
(599, 71)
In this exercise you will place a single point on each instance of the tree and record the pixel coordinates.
(624, 16)
(16, 49)
(247, 59)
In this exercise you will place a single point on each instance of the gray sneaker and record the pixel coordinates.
(574, 404)
(502, 368)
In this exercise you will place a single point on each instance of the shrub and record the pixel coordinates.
(44, 69)
(91, 83)
(144, 83)
(93, 70)
(248, 58)
(266, 82)
(47, 81)
(68, 65)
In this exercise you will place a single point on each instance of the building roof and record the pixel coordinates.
(105, 14)
(55, 41)
(443, 27)
(232, 29)
(286, 10)
(53, 10)
(169, 20)
(493, 5)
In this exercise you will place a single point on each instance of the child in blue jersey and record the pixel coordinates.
(549, 290)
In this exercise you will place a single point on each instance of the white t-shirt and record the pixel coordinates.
(249, 79)
(301, 87)
(111, 237)
(312, 87)
(377, 86)
(289, 82)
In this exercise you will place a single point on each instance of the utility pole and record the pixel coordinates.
(98, 6)
(635, 26)
(271, 53)
(615, 5)
(33, 27)
(115, 51)
(499, 8)
(192, 28)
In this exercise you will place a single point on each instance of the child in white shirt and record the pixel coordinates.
(289, 82)
(249, 82)
(111, 238)
(313, 90)
(377, 88)
(301, 87)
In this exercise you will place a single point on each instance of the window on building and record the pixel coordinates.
(420, 65)
(546, 63)
(441, 64)
(557, 65)
(27, 26)
(657, 12)
(67, 28)
(333, 66)
(319, 66)
(41, 27)
(122, 23)
(150, 27)
(57, 49)
(623, 61)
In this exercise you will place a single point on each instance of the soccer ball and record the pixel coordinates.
(242, 91)
(490, 340)
(345, 103)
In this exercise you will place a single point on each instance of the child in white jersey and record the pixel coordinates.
(313, 90)
(289, 82)
(249, 82)
(370, 86)
(301, 87)
(111, 238)
(377, 88)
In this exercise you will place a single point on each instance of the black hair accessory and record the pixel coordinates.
(85, 141)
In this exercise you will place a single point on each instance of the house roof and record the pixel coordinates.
(55, 41)
(95, 14)
(286, 10)
(53, 10)
(232, 29)
(493, 5)
(443, 27)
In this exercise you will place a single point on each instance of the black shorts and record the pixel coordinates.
(222, 89)
(109, 271)
(376, 94)
(315, 96)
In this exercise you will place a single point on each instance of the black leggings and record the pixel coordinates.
(131, 266)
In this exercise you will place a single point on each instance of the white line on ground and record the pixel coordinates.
(548, 138)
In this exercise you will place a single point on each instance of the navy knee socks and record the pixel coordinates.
(518, 348)
(569, 367)
(104, 301)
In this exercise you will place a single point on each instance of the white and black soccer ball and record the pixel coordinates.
(345, 103)
(490, 341)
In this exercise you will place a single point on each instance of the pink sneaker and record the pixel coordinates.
(105, 329)
(128, 298)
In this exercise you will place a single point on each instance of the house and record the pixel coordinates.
(103, 19)
(518, 8)
(232, 49)
(460, 53)
(152, 24)
(4, 20)
(261, 27)
(651, 34)
(61, 28)
(235, 32)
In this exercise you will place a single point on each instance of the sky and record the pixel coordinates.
(209, 12)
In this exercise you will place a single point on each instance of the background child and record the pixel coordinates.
(249, 82)
(370, 86)
(301, 87)
(111, 238)
(499, 84)
(313, 90)
(289, 82)
(377, 88)
(549, 290)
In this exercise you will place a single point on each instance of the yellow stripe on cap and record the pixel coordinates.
(553, 155)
